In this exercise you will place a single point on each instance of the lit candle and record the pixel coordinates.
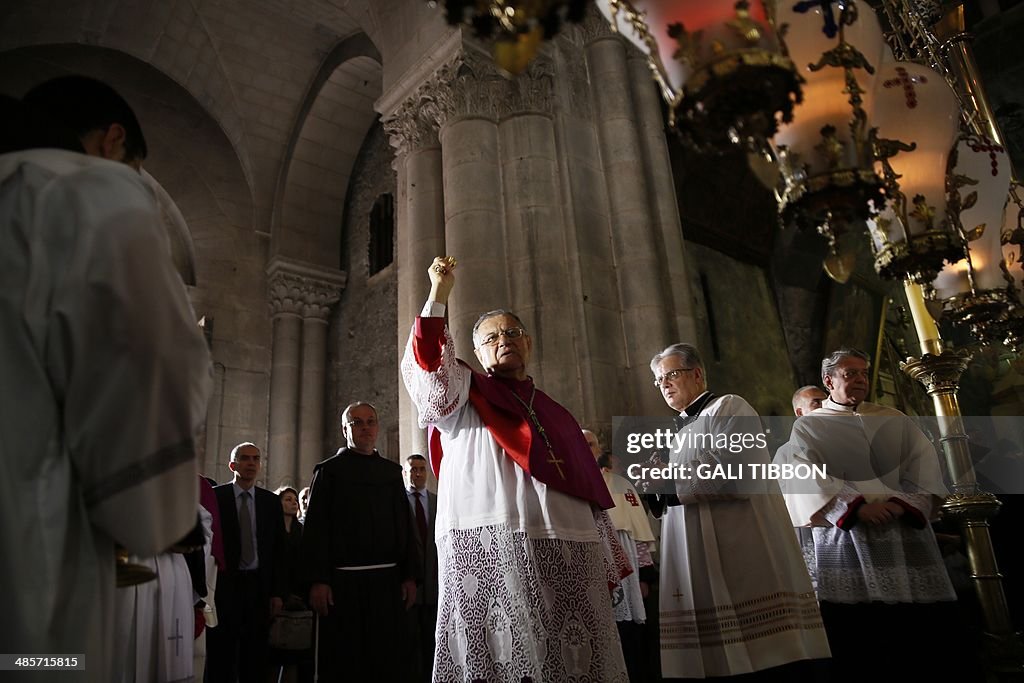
(927, 330)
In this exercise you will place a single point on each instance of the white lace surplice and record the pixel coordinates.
(524, 580)
(627, 600)
(891, 563)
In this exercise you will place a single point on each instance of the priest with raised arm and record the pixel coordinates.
(526, 553)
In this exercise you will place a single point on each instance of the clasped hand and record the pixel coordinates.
(877, 514)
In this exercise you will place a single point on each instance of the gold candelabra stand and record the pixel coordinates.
(968, 506)
(947, 49)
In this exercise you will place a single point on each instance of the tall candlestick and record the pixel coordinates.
(927, 330)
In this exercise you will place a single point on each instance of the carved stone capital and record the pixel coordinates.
(469, 85)
(317, 299)
(285, 296)
(472, 86)
(415, 122)
(302, 289)
(533, 90)
(593, 27)
(411, 128)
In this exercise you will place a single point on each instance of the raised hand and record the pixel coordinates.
(442, 278)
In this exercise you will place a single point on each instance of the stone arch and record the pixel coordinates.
(332, 122)
(172, 37)
(190, 155)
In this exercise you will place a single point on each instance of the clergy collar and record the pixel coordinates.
(697, 404)
(832, 405)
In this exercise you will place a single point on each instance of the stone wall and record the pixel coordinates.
(752, 358)
(362, 343)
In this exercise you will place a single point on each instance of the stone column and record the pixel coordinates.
(215, 458)
(286, 313)
(473, 206)
(664, 204)
(542, 289)
(292, 287)
(598, 334)
(420, 229)
(648, 323)
(319, 295)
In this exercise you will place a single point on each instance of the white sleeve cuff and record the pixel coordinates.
(433, 309)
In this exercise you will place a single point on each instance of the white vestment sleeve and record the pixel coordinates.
(433, 309)
(809, 500)
(441, 393)
(920, 475)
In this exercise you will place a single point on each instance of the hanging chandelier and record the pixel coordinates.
(887, 129)
(827, 154)
(917, 229)
(875, 120)
(974, 288)
(721, 67)
(978, 291)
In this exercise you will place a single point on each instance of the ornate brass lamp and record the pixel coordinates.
(917, 117)
(1012, 239)
(719, 64)
(972, 292)
(977, 292)
(973, 289)
(826, 154)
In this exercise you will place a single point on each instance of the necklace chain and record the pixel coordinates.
(540, 429)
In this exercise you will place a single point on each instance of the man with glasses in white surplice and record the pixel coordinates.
(735, 596)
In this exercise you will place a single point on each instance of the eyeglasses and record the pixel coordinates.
(510, 333)
(671, 376)
(372, 422)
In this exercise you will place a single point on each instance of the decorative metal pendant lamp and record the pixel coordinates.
(826, 154)
(719, 64)
(918, 117)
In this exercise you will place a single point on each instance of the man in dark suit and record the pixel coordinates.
(422, 617)
(251, 587)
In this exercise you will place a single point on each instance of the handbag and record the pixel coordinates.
(292, 630)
